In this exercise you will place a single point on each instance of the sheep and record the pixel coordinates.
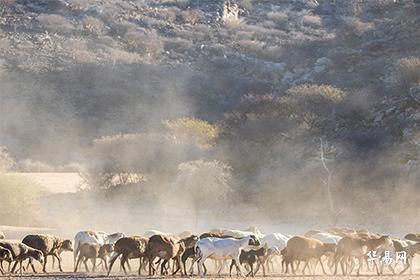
(93, 251)
(5, 255)
(21, 252)
(98, 237)
(129, 248)
(48, 245)
(301, 248)
(223, 249)
(250, 258)
(2, 236)
(168, 248)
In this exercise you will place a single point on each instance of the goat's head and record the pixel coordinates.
(67, 245)
(189, 241)
(37, 255)
(253, 240)
(6, 255)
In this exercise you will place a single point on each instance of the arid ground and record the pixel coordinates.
(116, 274)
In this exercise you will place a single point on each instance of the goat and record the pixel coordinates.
(21, 252)
(2, 236)
(350, 247)
(301, 248)
(250, 258)
(5, 255)
(168, 248)
(93, 251)
(132, 247)
(98, 237)
(48, 245)
(223, 249)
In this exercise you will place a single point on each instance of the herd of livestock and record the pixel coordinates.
(335, 248)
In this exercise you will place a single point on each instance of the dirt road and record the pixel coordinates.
(277, 277)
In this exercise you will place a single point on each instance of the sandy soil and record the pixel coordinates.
(117, 275)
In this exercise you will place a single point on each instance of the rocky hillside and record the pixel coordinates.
(274, 77)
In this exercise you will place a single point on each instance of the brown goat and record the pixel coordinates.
(358, 246)
(301, 248)
(129, 248)
(49, 245)
(167, 248)
(92, 251)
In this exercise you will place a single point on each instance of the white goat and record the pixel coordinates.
(223, 249)
(98, 237)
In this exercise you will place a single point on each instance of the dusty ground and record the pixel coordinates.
(278, 277)
(116, 275)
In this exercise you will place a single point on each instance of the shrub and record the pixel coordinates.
(78, 5)
(312, 104)
(191, 17)
(148, 42)
(55, 23)
(92, 25)
(352, 29)
(192, 130)
(408, 73)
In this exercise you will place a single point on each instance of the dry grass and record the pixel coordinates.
(408, 73)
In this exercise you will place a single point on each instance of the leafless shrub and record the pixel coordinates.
(313, 21)
(78, 5)
(178, 45)
(169, 15)
(148, 43)
(183, 4)
(78, 50)
(191, 17)
(6, 3)
(280, 18)
(352, 29)
(408, 73)
(230, 16)
(92, 25)
(119, 28)
(55, 23)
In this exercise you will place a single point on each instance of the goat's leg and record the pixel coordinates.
(232, 263)
(124, 259)
(111, 262)
(237, 265)
(85, 263)
(200, 266)
(56, 256)
(322, 266)
(14, 267)
(222, 267)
